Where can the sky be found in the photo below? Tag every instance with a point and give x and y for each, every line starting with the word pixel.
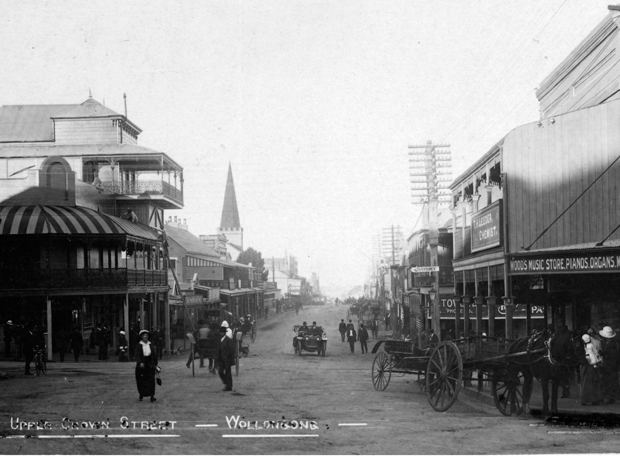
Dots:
pixel 313 103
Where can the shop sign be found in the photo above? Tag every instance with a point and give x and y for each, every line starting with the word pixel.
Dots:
pixel 447 310
pixel 272 286
pixel 583 262
pixel 486 228
pixel 424 269
pixel 193 300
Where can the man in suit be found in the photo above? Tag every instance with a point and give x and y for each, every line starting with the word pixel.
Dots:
pixel 363 338
pixel 375 328
pixel 351 337
pixel 433 340
pixel 226 356
pixel 342 328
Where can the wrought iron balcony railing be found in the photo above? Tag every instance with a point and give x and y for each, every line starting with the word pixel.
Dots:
pixel 155 187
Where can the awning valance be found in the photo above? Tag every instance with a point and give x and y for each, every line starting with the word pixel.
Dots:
pixel 66 220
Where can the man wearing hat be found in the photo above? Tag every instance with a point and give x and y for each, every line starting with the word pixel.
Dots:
pixel 122 348
pixel 226 356
pixel 342 328
pixel 610 350
pixel 351 336
pixel 8 336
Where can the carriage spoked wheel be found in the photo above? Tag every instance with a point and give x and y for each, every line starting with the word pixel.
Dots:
pixel 507 390
pixel 444 376
pixel 422 381
pixel 381 371
pixel 237 360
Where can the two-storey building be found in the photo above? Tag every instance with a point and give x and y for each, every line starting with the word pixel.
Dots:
pixel 71 254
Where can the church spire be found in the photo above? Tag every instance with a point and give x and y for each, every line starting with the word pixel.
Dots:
pixel 230 212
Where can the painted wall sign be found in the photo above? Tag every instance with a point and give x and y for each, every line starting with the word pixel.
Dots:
pixel 486 228
pixel 447 310
pixel 424 269
pixel 569 263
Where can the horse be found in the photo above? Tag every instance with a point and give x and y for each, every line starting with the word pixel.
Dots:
pixel 547 357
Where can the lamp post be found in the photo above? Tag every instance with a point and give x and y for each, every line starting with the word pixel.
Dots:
pixel 432 293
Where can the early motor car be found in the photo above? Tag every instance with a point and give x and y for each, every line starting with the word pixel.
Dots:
pixel 310 339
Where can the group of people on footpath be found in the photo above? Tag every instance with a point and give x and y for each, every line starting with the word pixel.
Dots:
pixel 600 366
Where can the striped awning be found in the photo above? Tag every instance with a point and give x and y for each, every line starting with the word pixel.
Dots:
pixel 66 220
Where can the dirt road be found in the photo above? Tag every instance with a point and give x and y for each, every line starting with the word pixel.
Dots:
pixel 281 404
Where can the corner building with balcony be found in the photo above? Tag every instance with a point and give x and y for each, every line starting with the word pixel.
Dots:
pixel 67 257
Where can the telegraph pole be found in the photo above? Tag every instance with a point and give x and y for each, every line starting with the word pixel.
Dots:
pixel 430 176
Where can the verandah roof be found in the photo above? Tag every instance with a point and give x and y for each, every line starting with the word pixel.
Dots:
pixel 67 220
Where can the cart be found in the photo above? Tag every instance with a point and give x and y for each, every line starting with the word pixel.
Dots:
pixel 210 348
pixel 441 370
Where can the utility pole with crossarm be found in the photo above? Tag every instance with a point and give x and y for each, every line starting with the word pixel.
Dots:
pixel 430 166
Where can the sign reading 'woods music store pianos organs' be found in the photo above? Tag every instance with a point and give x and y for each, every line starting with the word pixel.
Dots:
pixel 582 262
pixel 486 228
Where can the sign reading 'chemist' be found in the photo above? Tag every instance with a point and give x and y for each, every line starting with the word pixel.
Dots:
pixel 486 228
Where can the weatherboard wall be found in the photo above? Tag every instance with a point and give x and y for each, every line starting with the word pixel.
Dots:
pixel 549 166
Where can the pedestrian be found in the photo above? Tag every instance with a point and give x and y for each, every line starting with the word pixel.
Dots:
pixel 194 349
pixel 433 340
pixel 122 348
pixel 28 342
pixel 99 341
pixel 610 352
pixel 134 338
pixel 203 342
pixel 363 338
pixel 591 392
pixel 146 366
pixel 226 356
pixel 342 328
pixel 18 333
pixel 160 343
pixel 77 342
pixel 8 337
pixel 387 322
pixel 375 328
pixel 351 337
pixel 62 342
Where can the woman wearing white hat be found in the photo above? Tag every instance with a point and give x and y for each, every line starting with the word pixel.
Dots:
pixel 590 372
pixel 609 369
pixel 146 366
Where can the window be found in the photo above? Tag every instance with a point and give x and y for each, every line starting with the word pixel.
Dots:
pixel 57 176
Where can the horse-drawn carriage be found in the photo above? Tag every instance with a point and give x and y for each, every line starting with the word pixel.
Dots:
pixel 508 365
pixel 310 339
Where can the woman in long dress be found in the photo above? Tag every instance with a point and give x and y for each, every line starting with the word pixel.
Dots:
pixel 146 366
pixel 591 388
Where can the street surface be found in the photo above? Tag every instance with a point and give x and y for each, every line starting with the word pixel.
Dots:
pixel 315 396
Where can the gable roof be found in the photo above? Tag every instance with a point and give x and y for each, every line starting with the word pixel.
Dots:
pixel 35 123
pixel 191 243
pixel 230 212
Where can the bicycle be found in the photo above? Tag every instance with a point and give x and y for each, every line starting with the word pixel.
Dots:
pixel 40 366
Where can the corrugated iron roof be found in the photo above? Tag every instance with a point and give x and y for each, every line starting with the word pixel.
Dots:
pixel 191 243
pixel 29 123
pixel 88 109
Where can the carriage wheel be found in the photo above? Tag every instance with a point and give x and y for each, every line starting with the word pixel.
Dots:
pixel 507 390
pixel 381 371
pixel 422 381
pixel 444 376
pixel 237 360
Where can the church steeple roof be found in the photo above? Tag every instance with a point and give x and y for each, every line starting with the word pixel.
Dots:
pixel 230 212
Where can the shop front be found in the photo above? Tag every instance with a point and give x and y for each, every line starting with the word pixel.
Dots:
pixel 575 286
